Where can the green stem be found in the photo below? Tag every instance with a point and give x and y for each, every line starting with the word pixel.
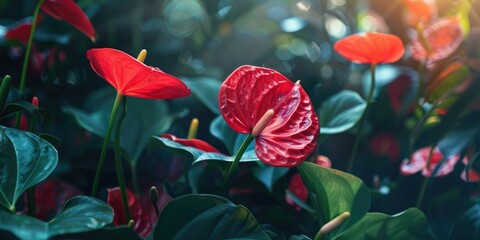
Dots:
pixel 418 128
pixel 106 141
pixel 363 118
pixel 31 201
pixel 423 188
pixel 420 87
pixel 118 161
pixel 23 76
pixel 235 162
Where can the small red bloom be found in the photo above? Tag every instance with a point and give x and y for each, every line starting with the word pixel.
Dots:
pixel 50 197
pixel 443 38
pixel 297 187
pixel 21 31
pixel 196 143
pixel 133 78
pixel 421 9
pixel 370 48
pixel 143 225
pixel 70 12
pixel 473 176
pixel 385 144
pixel 291 133
pixel 419 160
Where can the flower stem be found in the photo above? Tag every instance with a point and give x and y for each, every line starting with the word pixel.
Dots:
pixel 118 161
pixel 235 162
pixel 23 75
pixel 106 141
pixel 363 118
pixel 423 188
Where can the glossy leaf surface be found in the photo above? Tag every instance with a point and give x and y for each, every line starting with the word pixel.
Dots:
pixel 410 224
pixel 333 192
pixel 25 160
pixel 131 77
pixel 341 112
pixel 206 90
pixel 370 48
pixel 207 217
pixel 80 214
pixel 290 136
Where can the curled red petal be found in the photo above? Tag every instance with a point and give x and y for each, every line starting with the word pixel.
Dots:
pixel 70 12
pixel 443 37
pixel 143 225
pixel 133 78
pixel 290 136
pixel 19 33
pixel 370 48
pixel 196 143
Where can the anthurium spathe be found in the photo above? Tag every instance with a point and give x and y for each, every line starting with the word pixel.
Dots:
pixel 133 78
pixel 419 162
pixel 70 12
pixel 142 224
pixel 370 48
pixel 196 143
pixel 277 112
pixel 440 39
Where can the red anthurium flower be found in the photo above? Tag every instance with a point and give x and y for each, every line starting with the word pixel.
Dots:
pixel 21 31
pixel 297 187
pixel 289 133
pixel 385 144
pixel 196 143
pixel 143 225
pixel 443 38
pixel 370 48
pixel 421 9
pixel 50 197
pixel 133 78
pixel 70 12
pixel 398 91
pixel 473 176
pixel 419 160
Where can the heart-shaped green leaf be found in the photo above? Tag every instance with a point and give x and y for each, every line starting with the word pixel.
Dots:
pixel 468 226
pixel 145 118
pixel 206 217
pixel 410 224
pixel 341 112
pixel 117 233
pixel 25 160
pixel 269 175
pixel 220 129
pixel 80 214
pixel 206 90
pixel 332 192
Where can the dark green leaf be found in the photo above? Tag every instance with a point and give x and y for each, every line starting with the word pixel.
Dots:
pixel 220 129
pixel 25 160
pixel 459 137
pixel 119 233
pixel 334 192
pixel 269 175
pixel 56 142
pixel 299 237
pixel 24 106
pixel 175 188
pixel 206 90
pixel 80 214
pixel 145 118
pixel 468 226
pixel 410 224
pixel 341 112
pixel 206 217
